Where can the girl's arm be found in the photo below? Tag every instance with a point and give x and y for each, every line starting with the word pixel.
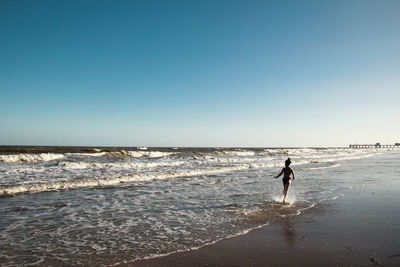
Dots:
pixel 279 174
pixel 293 174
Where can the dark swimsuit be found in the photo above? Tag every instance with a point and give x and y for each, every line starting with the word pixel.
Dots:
pixel 285 180
pixel 287 171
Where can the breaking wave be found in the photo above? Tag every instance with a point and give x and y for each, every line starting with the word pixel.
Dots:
pixel 7 191
pixel 28 158
pixel 113 168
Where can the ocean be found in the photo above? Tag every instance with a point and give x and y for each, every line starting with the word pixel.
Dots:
pixel 104 206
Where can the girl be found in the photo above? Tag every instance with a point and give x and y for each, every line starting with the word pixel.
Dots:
pixel 287 171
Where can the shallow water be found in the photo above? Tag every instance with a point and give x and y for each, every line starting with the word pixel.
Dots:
pixel 103 208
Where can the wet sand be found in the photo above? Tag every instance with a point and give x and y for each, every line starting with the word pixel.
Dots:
pixel 360 229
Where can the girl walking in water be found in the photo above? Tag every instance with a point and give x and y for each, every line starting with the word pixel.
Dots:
pixel 287 171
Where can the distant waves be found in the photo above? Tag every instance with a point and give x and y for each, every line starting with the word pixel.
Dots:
pixel 34 173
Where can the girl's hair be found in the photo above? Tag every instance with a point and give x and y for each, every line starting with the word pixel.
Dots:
pixel 288 161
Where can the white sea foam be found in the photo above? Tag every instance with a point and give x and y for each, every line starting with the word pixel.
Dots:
pixel 122 153
pixel 17 158
pixel 84 170
pixel 149 154
pixel 236 153
pixel 97 154
pixel 110 181
pixel 124 165
pixel 159 255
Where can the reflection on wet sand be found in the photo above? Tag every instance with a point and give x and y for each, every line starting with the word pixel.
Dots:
pixel 288 227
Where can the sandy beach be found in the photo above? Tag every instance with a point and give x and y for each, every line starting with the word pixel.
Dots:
pixel 361 228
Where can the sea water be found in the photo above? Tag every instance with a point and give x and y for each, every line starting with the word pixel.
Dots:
pixel 106 207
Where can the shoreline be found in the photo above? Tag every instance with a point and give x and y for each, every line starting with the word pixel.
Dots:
pixel 336 233
pixel 342 216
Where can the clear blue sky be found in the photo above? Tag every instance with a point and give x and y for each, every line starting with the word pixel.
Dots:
pixel 199 73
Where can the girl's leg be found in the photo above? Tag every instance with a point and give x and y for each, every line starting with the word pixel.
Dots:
pixel 285 189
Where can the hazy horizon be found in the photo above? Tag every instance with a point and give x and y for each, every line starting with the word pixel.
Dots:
pixel 144 148
pixel 199 73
